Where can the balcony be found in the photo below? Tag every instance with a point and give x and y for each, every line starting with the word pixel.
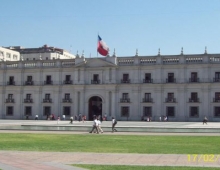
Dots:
pixel 216 100
pixel 193 80
pixel 29 83
pixel 171 80
pixel 11 83
pixel 47 100
pixel 147 80
pixel 67 100
pixel 28 100
pixel 147 100
pixel 95 81
pixel 125 81
pixel 170 100
pixel 48 82
pixel 67 82
pixel 216 79
pixel 193 100
pixel 125 100
pixel 9 101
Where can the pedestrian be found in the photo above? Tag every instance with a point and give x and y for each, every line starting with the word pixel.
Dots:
pixel 64 116
pixel 99 126
pixel 75 117
pixel 71 120
pixel 95 124
pixel 36 117
pixel 114 122
pixel 205 120
pixel 160 118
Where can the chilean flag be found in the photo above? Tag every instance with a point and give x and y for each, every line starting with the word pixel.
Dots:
pixel 102 47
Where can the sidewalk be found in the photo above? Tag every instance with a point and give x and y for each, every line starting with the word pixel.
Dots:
pixel 19 160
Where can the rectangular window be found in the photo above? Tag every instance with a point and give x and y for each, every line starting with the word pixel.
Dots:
pixel 68 77
pixel 47 110
pixel 28 110
pixel 147 111
pixel 194 111
pixel 15 57
pixel 67 96
pixel 170 111
pixel 11 79
pixel 1 54
pixel 125 77
pixel 125 111
pixel 95 77
pixel 217 96
pixel 67 110
pixel 29 78
pixel 170 95
pixel 194 96
pixel 10 96
pixel 217 111
pixel 147 96
pixel 217 75
pixel 28 96
pixel 48 78
pixel 8 55
pixel 194 77
pixel 47 96
pixel 124 95
pixel 170 77
pixel 147 76
pixel 9 110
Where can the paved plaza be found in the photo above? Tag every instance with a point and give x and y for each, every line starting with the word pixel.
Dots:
pixel 20 160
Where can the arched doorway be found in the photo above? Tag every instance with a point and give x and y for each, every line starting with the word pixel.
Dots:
pixel 95 107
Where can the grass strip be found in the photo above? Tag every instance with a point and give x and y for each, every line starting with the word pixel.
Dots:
pixel 110 143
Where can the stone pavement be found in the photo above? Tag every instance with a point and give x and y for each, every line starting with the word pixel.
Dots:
pixel 19 160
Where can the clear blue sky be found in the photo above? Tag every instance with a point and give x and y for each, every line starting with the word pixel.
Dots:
pixel 125 25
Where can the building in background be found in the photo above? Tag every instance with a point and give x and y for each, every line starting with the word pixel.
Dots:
pixel 181 87
pixel 9 55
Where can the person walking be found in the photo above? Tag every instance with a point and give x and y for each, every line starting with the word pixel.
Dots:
pixel 64 116
pixel 99 126
pixel 36 117
pixel 95 124
pixel 114 122
pixel 71 120
pixel 205 120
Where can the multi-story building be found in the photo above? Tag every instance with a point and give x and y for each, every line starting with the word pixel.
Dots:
pixel 8 55
pixel 182 87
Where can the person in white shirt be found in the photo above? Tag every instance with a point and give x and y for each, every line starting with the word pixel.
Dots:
pixel 99 126
pixel 64 117
pixel 95 125
pixel 36 117
pixel 114 122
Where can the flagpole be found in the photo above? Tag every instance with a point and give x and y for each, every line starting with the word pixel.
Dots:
pixel 97 44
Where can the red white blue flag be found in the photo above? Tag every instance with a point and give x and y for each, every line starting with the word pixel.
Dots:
pixel 102 47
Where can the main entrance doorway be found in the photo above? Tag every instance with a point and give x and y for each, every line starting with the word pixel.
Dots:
pixel 95 107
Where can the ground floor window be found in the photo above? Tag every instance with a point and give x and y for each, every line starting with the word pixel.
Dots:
pixel 67 110
pixel 47 111
pixel 217 111
pixel 170 111
pixel 194 111
pixel 9 110
pixel 147 111
pixel 125 111
pixel 28 110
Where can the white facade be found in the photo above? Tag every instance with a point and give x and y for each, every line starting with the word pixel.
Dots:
pixel 9 55
pixel 182 87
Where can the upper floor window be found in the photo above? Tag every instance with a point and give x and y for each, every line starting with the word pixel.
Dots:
pixel 95 77
pixel 147 78
pixel 194 77
pixel 217 77
pixel 28 96
pixel 125 95
pixel 1 54
pixel 67 96
pixel 47 96
pixel 170 78
pixel 8 55
pixel 10 96
pixel 68 77
pixel 29 78
pixel 125 78
pixel 15 57
pixel 194 97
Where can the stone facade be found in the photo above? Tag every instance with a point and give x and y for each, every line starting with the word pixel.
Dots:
pixel 182 87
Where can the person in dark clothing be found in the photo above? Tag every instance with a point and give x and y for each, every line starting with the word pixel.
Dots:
pixel 205 120
pixel 114 122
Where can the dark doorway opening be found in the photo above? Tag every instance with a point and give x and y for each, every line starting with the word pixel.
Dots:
pixel 95 107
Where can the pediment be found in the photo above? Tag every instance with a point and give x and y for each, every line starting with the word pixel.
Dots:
pixel 95 62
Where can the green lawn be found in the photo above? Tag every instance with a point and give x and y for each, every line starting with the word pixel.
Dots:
pixel 111 143
pixel 127 167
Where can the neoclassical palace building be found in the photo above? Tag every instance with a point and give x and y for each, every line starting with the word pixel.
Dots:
pixel 47 80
